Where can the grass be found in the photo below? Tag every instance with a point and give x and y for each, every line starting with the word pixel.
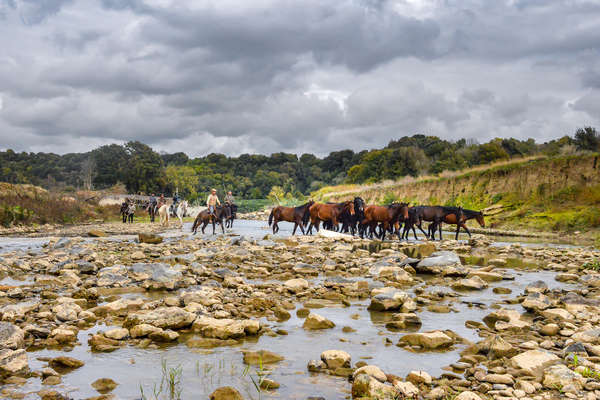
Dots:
pixel 170 385
pixel 592 265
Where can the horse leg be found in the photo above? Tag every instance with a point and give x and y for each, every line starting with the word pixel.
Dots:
pixel 222 227
pixel 294 230
pixel 466 229
pixel 440 229
pixel 274 226
pixel 457 230
pixel 204 224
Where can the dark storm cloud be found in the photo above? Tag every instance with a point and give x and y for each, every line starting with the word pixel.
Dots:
pixel 311 76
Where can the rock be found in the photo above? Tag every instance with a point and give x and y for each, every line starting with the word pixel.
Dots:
pixel 149 238
pixel 137 255
pixel 104 385
pixel 533 362
pixel 269 384
pixel 474 283
pixel 63 336
pixel 143 330
pixel 559 314
pixel 438 392
pixel 495 347
pixel 336 359
pixel 427 340
pixel 486 276
pixel 66 311
pixel 13 362
pixel 162 317
pixel 371 370
pixel 536 302
pixel 225 328
pixel 96 233
pixel 561 376
pixel 117 333
pixel 296 285
pixel 52 380
pixel 419 377
pixel 537 287
pixel 113 276
pixel 157 276
pixel 407 389
pixel 499 378
pixel 387 299
pixel 209 343
pixel 164 336
pixel 550 330
pixel 467 395
pixel 437 262
pixel 226 393
pixel 404 321
pixel 261 356
pixel 11 336
pixel 365 386
pixel 315 321
pixel 65 362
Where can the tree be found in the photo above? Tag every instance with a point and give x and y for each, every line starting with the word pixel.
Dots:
pixel 144 169
pixel 490 152
pixel 183 179
pixel 587 139
pixel 88 170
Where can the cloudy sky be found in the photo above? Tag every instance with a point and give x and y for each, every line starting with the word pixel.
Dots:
pixel 263 76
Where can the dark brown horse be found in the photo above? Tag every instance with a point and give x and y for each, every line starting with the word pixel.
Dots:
pixel 298 215
pixel 204 217
pixel 328 212
pixel 459 217
pixel 385 215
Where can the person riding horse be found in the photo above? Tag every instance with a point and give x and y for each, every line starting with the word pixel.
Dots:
pixel 212 201
pixel 152 207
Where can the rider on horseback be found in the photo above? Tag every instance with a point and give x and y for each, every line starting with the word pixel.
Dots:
pixel 229 198
pixel 152 207
pixel 212 201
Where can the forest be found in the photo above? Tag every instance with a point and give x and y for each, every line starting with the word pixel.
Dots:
pixel 140 169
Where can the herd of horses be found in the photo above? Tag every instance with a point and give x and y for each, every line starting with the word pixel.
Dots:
pixel 359 218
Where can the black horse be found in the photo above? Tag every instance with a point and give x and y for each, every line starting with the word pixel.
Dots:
pixel 124 211
pixel 412 221
pixel 204 218
pixel 459 216
pixel 229 221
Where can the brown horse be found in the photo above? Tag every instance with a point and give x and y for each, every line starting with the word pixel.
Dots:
pixel 298 215
pixel 386 215
pixel 328 212
pixel 204 217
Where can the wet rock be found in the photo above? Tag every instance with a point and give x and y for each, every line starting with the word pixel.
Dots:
pixel 315 321
pixel 48 394
pixel 209 343
pixel 506 319
pixel 427 340
pixel 96 233
pixel 164 336
pixel 113 276
pixel 495 347
pixel 117 333
pixel 404 321
pixel 365 386
pixel 561 376
pixel 11 336
pixel 226 393
pixel 149 238
pixel 143 330
pixel 281 314
pixel 486 276
pixel 419 377
pixel 504 379
pixel 11 312
pixel 63 336
pixel 533 362
pixel 269 384
pixel 536 301
pixel 305 269
pixel 537 287
pixel 156 276
pixel 67 311
pixel 336 359
pixel 473 283
pixel 101 343
pixel 104 385
pixel 387 299
pixel 163 317
pixel 296 285
pixel 371 370
pixel 52 380
pixel 65 362
pixel 13 362
pixel 225 328
pixel 261 356
pixel 550 329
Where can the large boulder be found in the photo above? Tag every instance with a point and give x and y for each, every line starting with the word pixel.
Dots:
pixel 11 336
pixel 13 362
pixel 437 262
pixel 67 311
pixel 315 321
pixel 373 371
pixel 113 276
pixel 149 238
pixel 473 283
pixel 427 340
pixel 163 317
pixel 336 359
pixel 296 285
pixel 560 376
pixel 536 302
pixel 261 357
pixel 157 276
pixel 533 362
pixel 387 299
pixel 225 328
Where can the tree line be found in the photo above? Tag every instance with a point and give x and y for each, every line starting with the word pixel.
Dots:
pixel 253 176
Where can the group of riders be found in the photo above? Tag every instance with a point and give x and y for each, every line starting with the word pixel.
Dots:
pixel 152 205
pixel 357 217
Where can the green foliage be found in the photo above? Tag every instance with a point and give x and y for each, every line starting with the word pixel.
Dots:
pixel 184 179
pixel 170 385
pixel 593 265
pixel 587 139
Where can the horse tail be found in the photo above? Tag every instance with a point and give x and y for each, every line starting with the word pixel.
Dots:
pixel 306 216
pixel 271 217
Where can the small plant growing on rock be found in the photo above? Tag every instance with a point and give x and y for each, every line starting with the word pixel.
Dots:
pixel 592 265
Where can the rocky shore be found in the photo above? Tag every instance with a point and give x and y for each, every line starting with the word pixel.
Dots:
pixel 535 341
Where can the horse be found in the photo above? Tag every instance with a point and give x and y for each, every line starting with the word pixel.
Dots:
pixel 152 210
pixel 298 215
pixel 413 219
pixel 459 218
pixel 348 221
pixel 204 217
pixel 123 211
pixel 437 215
pixel 325 212
pixel 388 215
pixel 163 214
pixel 181 211
pixel 229 221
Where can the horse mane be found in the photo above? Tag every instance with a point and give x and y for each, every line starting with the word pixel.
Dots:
pixel 303 206
pixel 466 212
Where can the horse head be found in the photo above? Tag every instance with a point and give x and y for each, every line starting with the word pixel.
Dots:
pixel 349 205
pixel 404 210
pixel 480 220
pixel 359 205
